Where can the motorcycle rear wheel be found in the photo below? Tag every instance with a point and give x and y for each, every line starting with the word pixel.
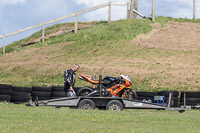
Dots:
pixel 84 91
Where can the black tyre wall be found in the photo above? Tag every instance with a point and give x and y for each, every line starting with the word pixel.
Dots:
pixel 166 93
pixel 21 94
pixel 58 94
pixel 146 94
pixel 22 89
pixel 5 92
pixel 45 89
pixel 191 94
pixel 5 98
pixel 5 87
pixel 191 100
pixel 57 88
pixel 20 99
pixel 41 94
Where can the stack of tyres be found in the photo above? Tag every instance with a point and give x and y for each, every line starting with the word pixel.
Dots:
pixel 5 92
pixel 42 93
pixel 174 101
pixel 192 98
pixel 146 96
pixel 21 94
pixel 58 92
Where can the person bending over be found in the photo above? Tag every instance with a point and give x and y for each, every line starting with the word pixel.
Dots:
pixel 69 80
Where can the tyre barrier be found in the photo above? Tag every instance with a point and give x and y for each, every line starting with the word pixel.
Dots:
pixel 5 92
pixel 41 93
pixel 16 94
pixel 20 94
pixel 166 93
pixel 59 92
pixel 41 89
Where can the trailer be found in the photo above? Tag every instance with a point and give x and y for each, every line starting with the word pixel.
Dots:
pixel 108 103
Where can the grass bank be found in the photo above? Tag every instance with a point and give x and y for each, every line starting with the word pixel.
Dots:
pixel 103 45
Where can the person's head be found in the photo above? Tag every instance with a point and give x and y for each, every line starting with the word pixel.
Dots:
pixel 75 67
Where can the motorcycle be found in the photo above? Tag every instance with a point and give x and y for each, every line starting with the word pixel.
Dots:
pixel 108 87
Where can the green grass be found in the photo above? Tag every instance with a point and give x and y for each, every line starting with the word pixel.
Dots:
pixel 16 46
pixel 96 35
pixel 115 31
pixel 103 31
pixel 164 20
pixel 23 119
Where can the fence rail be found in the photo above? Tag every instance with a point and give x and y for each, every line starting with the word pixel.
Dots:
pixel 109 4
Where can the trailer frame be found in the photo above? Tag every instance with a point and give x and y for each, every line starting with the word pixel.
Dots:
pixel 102 102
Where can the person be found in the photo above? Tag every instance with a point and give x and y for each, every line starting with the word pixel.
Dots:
pixel 69 80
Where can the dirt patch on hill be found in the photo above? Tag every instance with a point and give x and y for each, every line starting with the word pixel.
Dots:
pixel 174 36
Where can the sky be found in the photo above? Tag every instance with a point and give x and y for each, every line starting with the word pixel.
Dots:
pixel 19 14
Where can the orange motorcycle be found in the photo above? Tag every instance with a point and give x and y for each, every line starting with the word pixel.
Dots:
pixel 108 87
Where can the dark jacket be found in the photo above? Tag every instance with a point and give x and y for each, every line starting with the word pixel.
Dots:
pixel 69 79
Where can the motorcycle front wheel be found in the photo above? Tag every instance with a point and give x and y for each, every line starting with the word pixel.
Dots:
pixel 130 94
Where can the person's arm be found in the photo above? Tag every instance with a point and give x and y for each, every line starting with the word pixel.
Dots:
pixel 71 88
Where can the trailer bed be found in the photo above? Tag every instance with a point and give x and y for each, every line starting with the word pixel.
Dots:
pixel 104 101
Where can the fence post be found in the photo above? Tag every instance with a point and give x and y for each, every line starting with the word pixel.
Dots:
pixel 76 23
pixel 136 8
pixel 153 10
pixel 131 9
pixel 109 12
pixel 4 44
pixel 128 12
pixel 43 32
pixel 194 9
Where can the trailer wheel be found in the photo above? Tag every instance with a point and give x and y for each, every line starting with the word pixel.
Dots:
pixel 114 105
pixel 86 104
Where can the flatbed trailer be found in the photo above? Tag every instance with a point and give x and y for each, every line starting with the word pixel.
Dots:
pixel 108 103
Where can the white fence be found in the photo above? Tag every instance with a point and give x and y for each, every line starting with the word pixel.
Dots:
pixel 109 4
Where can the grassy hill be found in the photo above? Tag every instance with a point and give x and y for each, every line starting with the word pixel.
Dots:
pixel 102 45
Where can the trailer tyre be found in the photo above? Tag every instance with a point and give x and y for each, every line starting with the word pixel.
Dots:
pixel 114 105
pixel 86 104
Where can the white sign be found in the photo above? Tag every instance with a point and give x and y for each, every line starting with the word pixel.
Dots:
pixel 137 104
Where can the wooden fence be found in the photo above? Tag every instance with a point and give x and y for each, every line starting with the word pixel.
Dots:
pixel 109 5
